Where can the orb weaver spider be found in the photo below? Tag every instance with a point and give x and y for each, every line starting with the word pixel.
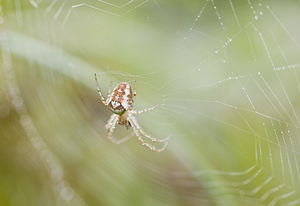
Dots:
pixel 120 102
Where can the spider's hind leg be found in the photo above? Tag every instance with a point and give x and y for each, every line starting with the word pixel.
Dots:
pixel 99 91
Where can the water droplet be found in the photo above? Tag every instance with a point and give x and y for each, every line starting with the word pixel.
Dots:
pixel 224 61
pixel 258 73
pixel 256 17
pixel 261 13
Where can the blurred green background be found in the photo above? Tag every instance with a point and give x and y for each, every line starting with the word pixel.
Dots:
pixel 226 77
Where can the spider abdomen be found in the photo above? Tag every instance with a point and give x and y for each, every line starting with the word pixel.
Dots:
pixel 120 99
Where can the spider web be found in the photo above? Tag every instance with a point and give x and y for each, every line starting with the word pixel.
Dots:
pixel 226 76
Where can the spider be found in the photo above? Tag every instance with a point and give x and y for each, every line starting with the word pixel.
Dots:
pixel 120 102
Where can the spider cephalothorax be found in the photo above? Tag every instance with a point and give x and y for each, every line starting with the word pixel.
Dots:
pixel 120 102
pixel 123 120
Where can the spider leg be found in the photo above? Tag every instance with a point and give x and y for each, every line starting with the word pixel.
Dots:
pixel 110 121
pixel 139 128
pixel 124 139
pixel 136 131
pixel 99 91
pixel 134 94
pixel 111 124
pixel 144 110
pixel 109 90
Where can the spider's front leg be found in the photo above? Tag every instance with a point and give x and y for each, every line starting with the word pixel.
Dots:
pixel 135 124
pixel 138 131
pixel 111 120
pixel 146 143
pixel 124 139
pixel 111 124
